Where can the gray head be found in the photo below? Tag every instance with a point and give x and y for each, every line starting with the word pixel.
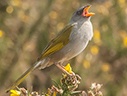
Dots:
pixel 81 14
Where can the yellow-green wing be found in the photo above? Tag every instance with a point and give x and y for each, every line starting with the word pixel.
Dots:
pixel 58 42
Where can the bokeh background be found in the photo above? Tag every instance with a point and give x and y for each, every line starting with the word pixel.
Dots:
pixel 26 26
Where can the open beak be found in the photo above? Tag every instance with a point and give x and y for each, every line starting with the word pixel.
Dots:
pixel 86 13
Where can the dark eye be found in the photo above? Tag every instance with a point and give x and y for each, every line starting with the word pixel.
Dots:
pixel 79 13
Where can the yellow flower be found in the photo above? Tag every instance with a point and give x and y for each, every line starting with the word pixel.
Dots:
pixel 68 68
pixel 123 33
pixel 9 9
pixel 96 34
pixel 53 15
pixel 125 42
pixel 54 94
pixel 47 95
pixel 105 67
pixel 1 33
pixel 16 3
pixel 86 64
pixel 15 93
pixel 121 1
pixel 96 37
pixel 94 50
pixel 60 26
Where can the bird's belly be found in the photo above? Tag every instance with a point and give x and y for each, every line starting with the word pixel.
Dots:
pixel 73 49
pixel 69 51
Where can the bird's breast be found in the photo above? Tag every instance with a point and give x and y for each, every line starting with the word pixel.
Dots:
pixel 79 38
pixel 78 41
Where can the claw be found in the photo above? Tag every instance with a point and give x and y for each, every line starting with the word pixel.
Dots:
pixel 79 78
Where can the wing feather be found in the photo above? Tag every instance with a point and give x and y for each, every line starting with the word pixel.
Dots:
pixel 58 42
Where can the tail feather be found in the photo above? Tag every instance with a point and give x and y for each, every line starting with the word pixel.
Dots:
pixel 23 76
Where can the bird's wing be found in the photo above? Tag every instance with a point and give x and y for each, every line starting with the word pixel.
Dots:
pixel 58 42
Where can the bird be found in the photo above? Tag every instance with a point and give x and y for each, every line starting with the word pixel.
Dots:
pixel 68 43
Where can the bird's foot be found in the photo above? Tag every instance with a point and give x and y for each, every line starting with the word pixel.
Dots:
pixel 72 77
pixel 75 79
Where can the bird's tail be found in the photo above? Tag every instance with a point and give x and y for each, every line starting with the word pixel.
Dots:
pixel 23 76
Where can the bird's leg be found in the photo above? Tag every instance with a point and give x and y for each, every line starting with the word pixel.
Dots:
pixel 63 69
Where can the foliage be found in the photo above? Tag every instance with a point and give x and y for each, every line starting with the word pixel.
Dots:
pixel 66 88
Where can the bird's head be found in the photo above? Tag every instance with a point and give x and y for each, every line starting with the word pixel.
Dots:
pixel 81 14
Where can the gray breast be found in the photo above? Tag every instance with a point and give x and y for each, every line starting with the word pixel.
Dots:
pixel 79 38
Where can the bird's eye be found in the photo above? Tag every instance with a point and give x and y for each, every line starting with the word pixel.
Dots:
pixel 78 13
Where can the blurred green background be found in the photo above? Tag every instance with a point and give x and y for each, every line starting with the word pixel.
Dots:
pixel 26 26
